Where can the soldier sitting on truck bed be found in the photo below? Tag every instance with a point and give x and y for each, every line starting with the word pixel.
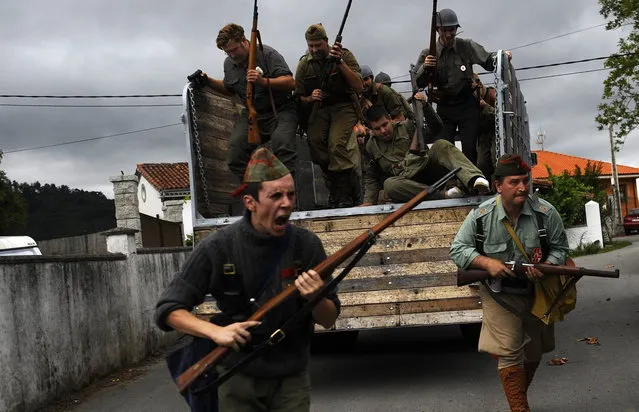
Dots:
pixel 381 94
pixel 394 162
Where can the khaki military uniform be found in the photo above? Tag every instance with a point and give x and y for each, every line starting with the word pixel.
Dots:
pixel 513 338
pixel 332 143
pixel 393 102
pixel 403 174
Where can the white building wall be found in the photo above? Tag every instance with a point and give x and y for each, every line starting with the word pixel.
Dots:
pixel 187 219
pixel 151 204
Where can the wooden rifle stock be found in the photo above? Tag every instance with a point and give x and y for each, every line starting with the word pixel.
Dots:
pixel 330 66
pixel 253 128
pixel 324 269
pixel 466 277
pixel 432 50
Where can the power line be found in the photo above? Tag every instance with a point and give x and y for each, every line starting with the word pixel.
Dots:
pixel 88 105
pixel 556 37
pixel 92 138
pixel 122 96
pixel 540 77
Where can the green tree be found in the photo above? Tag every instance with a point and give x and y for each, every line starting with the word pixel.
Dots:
pixel 13 208
pixel 620 98
pixel 570 192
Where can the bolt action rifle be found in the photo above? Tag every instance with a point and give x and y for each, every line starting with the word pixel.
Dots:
pixel 253 128
pixel 330 67
pixel 431 72
pixel 324 269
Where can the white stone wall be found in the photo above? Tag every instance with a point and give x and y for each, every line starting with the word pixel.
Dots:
pixel 589 233
pixel 67 321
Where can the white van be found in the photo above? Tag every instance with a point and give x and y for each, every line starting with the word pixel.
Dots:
pixel 18 246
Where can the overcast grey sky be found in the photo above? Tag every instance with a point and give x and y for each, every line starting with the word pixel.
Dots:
pixel 72 47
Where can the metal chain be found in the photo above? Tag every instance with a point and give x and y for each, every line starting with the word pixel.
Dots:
pixel 499 110
pixel 198 148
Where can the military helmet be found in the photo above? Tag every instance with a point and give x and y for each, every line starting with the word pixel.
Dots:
pixel 447 18
pixel 365 71
pixel 383 78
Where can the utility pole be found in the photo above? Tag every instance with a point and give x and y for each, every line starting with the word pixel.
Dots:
pixel 616 207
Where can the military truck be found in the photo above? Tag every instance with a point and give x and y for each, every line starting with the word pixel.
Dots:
pixel 406 278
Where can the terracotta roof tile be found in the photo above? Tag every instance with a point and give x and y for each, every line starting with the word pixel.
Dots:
pixel 165 176
pixel 559 162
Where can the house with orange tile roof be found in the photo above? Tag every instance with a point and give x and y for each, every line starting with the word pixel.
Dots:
pixel 559 162
pixel 160 186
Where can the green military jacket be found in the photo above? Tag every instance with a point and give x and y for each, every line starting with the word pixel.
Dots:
pixel 455 65
pixel 393 102
pixel 310 72
pixel 386 159
pixel 498 242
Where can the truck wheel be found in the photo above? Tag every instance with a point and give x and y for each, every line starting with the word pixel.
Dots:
pixel 470 332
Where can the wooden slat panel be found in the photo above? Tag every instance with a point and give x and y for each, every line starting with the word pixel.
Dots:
pixel 402 256
pixel 405 295
pixel 398 282
pixel 443 241
pixel 342 237
pixel 411 307
pixel 417 217
pixel 416 319
pixel 415 269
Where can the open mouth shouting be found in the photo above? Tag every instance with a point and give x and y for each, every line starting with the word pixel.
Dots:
pixel 281 222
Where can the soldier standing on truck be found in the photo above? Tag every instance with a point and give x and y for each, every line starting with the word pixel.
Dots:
pixel 394 162
pixel 277 114
pixel 332 143
pixel 456 104
pixel 242 266
pixel 512 226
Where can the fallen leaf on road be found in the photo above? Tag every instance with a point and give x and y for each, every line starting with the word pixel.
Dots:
pixel 557 361
pixel 589 341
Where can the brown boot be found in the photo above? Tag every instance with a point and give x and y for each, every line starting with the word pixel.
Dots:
pixel 530 368
pixel 513 378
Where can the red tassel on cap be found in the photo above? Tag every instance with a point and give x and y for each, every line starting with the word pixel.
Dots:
pixel 238 192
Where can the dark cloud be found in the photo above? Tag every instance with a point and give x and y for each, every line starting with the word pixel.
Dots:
pixel 122 47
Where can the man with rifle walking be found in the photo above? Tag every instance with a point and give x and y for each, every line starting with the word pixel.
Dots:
pixel 513 226
pixel 451 62
pixel 272 98
pixel 327 84
pixel 242 266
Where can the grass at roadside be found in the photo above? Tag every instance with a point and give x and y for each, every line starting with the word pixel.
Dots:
pixel 593 248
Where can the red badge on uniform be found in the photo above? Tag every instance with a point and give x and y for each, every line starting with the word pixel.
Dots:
pixel 288 273
pixel 536 255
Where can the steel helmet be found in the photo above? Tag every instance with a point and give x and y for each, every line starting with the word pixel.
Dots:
pixel 365 71
pixel 383 78
pixel 447 18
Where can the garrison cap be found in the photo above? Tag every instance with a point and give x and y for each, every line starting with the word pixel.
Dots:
pixel 511 165
pixel 262 167
pixel 316 32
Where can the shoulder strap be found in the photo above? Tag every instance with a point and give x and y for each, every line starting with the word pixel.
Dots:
pixel 543 235
pixel 480 237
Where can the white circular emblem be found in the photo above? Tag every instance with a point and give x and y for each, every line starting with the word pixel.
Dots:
pixel 463 68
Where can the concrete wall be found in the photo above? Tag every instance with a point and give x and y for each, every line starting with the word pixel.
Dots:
pixel 65 322
pixel 89 244
pixel 589 233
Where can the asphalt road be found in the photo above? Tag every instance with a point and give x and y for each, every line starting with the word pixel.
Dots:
pixel 435 369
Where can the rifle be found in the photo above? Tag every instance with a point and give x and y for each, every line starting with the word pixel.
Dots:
pixel 418 109
pixel 466 277
pixel 431 72
pixel 324 269
pixel 253 128
pixel 330 67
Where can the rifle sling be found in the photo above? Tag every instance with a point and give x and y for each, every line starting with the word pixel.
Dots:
pixel 268 82
pixel 280 334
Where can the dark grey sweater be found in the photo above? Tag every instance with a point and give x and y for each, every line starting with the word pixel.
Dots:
pixel 258 260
